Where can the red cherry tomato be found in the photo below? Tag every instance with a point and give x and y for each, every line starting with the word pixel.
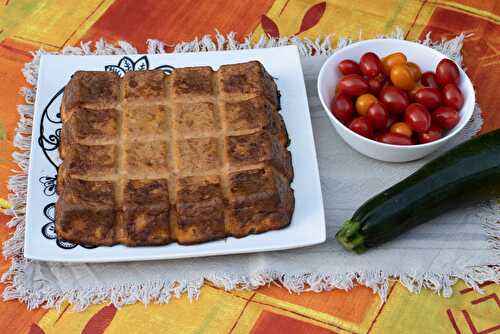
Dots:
pixel 385 83
pixel 447 72
pixel 348 66
pixel 362 126
pixel 376 84
pixel 395 99
pixel 430 97
pixel 434 133
pixel 378 115
pixel 453 97
pixel 342 108
pixel 394 139
pixel 353 85
pixel 445 117
pixel 391 120
pixel 370 64
pixel 417 117
pixel 429 80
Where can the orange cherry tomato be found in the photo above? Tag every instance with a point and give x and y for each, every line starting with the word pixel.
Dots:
pixel 401 128
pixel 416 73
pixel 393 59
pixel 401 77
pixel 364 102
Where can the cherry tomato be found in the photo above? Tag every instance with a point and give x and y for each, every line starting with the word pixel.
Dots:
pixel 417 117
pixel 394 139
pixel 445 117
pixel 415 71
pixel 393 59
pixel 375 86
pixel 377 136
pixel 385 83
pixel 453 97
pixel 391 120
pixel 363 102
pixel 401 77
pixel 447 72
pixel 429 97
pixel 395 99
pixel 353 85
pixel 412 93
pixel 434 133
pixel 401 128
pixel 370 64
pixel 342 108
pixel 362 126
pixel 429 80
pixel 348 66
pixel 378 115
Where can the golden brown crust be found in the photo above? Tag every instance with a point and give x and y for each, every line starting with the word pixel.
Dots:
pixel 96 90
pixel 240 81
pixel 149 159
pixel 144 86
pixel 143 192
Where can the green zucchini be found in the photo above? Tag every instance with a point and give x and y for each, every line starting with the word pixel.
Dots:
pixel 468 172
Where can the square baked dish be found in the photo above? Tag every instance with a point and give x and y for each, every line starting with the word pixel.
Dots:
pixel 151 159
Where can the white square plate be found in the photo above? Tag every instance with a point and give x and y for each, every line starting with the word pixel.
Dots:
pixel 308 222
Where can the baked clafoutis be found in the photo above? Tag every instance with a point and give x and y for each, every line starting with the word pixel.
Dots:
pixel 151 159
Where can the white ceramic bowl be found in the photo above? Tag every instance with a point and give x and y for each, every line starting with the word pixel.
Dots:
pixel 427 59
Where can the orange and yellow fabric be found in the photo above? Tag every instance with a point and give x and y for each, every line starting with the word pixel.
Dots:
pixel 53 24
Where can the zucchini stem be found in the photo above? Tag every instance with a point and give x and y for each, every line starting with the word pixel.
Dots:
pixel 350 237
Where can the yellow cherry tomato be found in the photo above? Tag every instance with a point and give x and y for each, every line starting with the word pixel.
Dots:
pixel 415 71
pixel 393 59
pixel 363 102
pixel 401 77
pixel 401 128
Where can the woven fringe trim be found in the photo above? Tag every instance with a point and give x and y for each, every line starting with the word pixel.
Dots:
pixel 161 291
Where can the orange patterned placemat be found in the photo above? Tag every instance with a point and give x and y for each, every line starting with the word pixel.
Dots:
pixel 52 24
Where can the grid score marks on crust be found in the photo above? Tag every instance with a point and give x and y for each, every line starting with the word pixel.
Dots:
pixel 179 143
